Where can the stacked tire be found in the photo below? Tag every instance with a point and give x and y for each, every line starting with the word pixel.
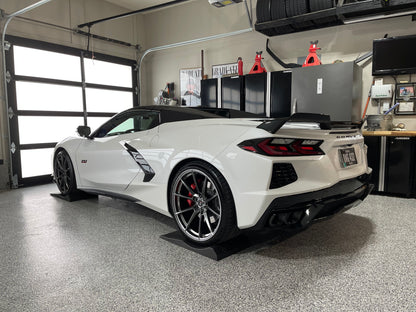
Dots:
pixel 319 5
pixel 271 10
pixel 263 12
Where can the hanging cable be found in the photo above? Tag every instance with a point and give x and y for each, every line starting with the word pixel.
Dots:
pixel 281 63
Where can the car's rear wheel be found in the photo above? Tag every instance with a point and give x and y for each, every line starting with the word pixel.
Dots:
pixel 64 173
pixel 202 204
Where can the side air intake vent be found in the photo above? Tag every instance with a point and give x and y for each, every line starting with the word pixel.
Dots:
pixel 283 174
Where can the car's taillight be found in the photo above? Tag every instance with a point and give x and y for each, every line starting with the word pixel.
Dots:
pixel 283 147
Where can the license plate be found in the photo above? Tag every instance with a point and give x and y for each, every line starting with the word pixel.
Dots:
pixel 347 157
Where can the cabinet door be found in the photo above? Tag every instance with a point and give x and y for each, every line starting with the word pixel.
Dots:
pixel 209 90
pixel 373 158
pixel 255 94
pixel 399 165
pixel 232 92
pixel 281 89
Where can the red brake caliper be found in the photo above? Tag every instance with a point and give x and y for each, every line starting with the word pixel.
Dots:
pixel 193 186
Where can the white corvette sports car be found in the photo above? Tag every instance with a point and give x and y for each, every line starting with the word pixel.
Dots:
pixel 217 173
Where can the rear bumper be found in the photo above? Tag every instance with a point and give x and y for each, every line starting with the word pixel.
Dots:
pixel 299 211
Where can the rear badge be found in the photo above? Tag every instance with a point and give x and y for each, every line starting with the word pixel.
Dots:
pixel 84 161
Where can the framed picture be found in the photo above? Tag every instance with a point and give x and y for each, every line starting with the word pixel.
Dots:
pixel 190 84
pixel 407 91
pixel 224 70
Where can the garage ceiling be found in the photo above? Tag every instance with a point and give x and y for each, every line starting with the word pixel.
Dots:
pixel 137 4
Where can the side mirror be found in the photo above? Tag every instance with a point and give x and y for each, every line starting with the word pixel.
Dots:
pixel 84 131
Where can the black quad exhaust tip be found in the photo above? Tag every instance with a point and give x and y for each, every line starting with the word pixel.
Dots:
pixel 286 218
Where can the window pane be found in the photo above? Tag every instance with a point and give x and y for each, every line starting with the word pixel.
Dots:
pixel 129 123
pixel 108 101
pixel 95 122
pixel 34 129
pixel 36 162
pixel 45 64
pixel 48 97
pixel 106 73
pixel 124 127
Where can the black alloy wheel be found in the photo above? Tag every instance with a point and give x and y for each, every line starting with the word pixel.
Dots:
pixel 64 173
pixel 202 205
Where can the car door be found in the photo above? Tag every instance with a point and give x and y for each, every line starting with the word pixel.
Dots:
pixel 106 161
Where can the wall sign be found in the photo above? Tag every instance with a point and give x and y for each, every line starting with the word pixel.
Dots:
pixel 224 69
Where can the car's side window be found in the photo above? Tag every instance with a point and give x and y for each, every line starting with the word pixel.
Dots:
pixel 129 123
pixel 126 126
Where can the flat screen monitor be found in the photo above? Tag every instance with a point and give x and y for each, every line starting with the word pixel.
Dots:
pixel 394 56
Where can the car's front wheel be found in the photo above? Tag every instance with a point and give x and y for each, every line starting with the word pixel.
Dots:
pixel 64 173
pixel 202 204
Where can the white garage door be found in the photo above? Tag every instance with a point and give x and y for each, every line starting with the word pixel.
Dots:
pixel 54 89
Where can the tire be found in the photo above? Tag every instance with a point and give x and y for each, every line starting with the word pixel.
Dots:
pixel 260 8
pixel 278 9
pixel 202 205
pixel 318 5
pixel 298 7
pixel 64 173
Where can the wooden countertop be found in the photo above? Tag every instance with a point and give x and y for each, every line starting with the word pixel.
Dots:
pixel 390 133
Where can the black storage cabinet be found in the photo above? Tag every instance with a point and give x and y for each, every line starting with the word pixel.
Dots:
pixel 281 92
pixel 209 91
pixel 400 165
pixel 331 89
pixel 373 159
pixel 392 159
pixel 232 92
pixel 255 93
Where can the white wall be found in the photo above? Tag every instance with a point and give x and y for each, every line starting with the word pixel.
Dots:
pixel 198 19
pixel 68 13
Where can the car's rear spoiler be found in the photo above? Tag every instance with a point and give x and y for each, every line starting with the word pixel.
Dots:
pixel 324 122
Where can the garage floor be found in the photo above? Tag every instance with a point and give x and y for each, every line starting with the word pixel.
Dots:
pixel 106 255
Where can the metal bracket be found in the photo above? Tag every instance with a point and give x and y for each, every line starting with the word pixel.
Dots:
pixel 11 113
pixel 136 90
pixel 7 45
pixel 8 77
pixel 13 148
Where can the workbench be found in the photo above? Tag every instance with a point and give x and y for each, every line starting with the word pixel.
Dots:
pixel 409 133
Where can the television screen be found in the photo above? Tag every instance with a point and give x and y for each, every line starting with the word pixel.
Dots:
pixel 394 56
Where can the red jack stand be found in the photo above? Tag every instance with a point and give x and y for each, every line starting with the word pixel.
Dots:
pixel 312 59
pixel 258 67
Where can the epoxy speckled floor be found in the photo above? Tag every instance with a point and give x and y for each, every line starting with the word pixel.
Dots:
pixel 106 255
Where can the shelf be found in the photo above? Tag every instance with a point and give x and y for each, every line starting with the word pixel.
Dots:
pixel 339 15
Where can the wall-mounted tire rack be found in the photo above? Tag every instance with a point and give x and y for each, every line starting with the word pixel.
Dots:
pixel 342 13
